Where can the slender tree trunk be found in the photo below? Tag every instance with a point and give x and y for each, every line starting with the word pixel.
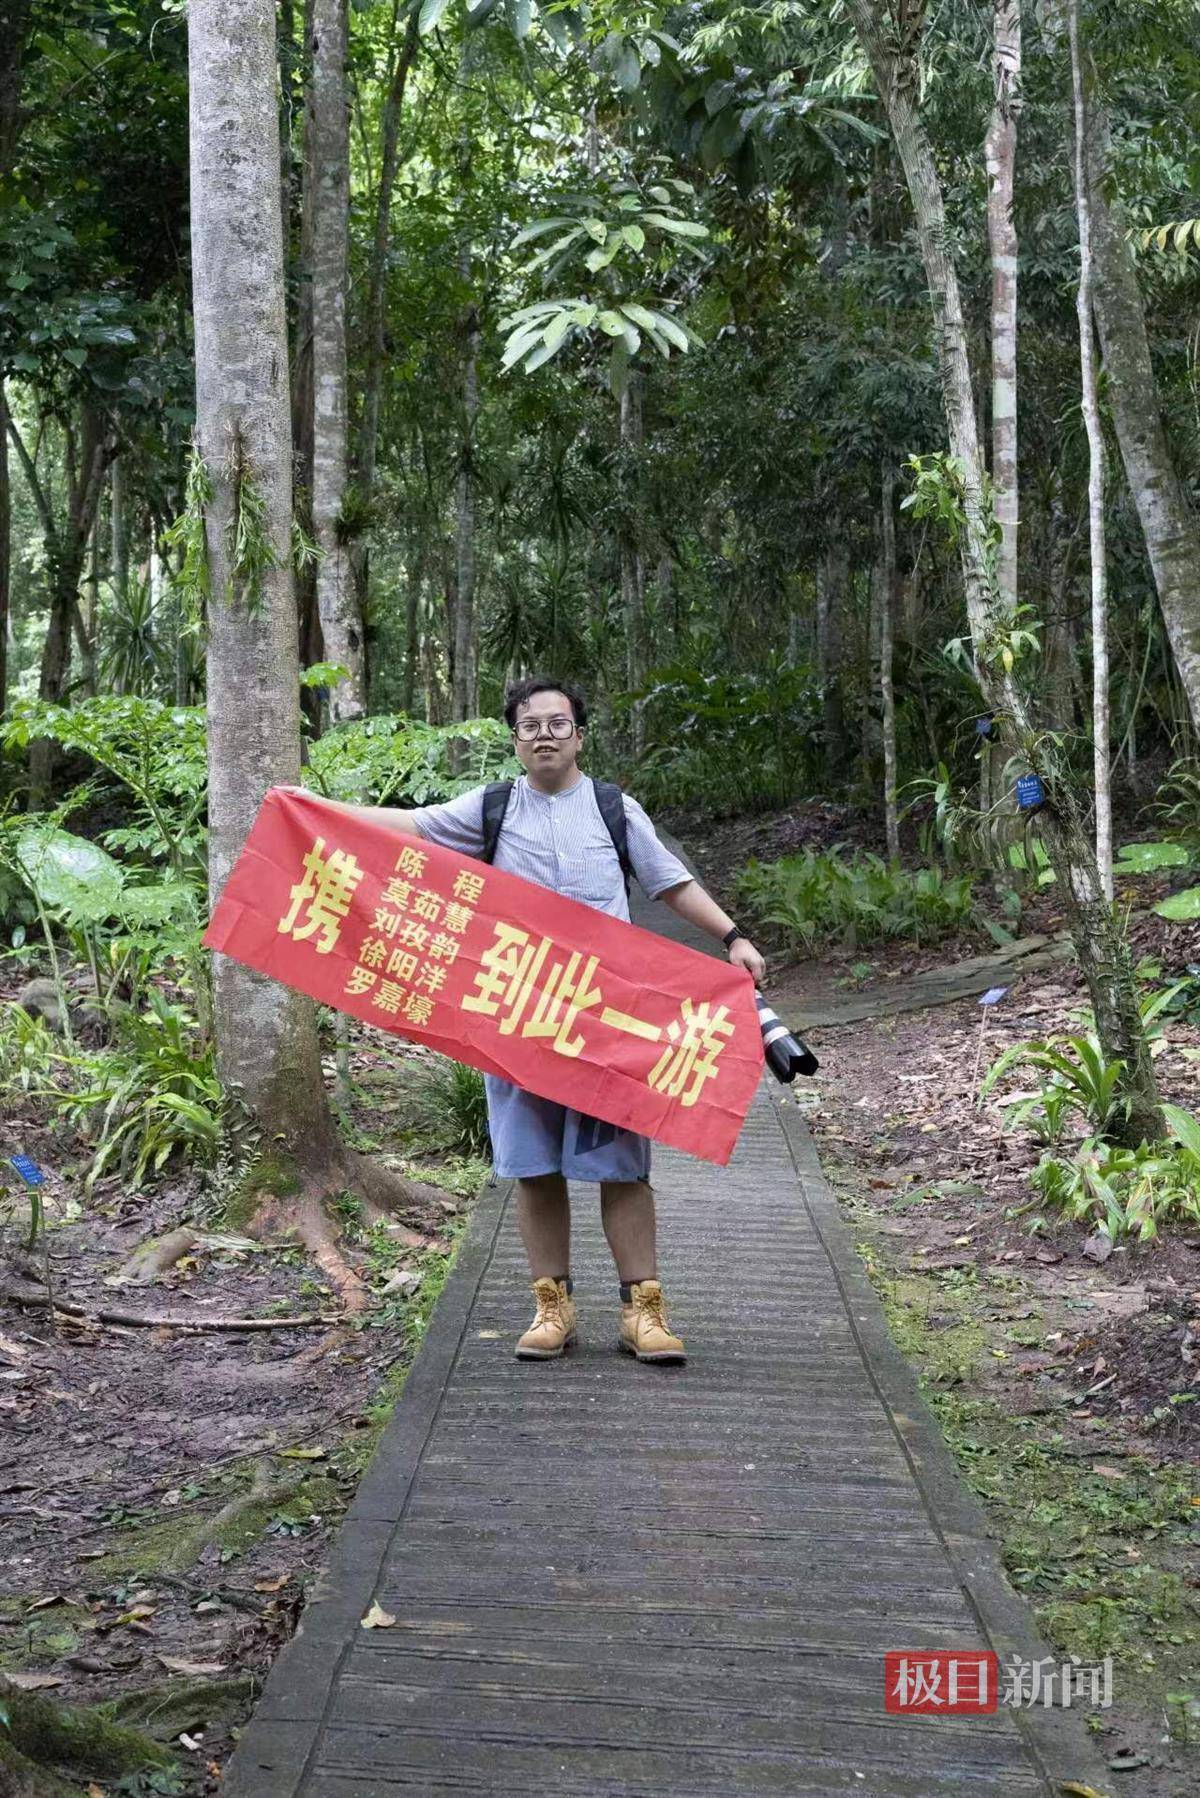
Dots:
pixel 886 577
pixel 833 588
pixel 1000 153
pixel 328 178
pixel 266 1034
pixel 414 586
pixel 5 550
pixel 367 442
pixel 119 526
pixel 1169 522
pixel 1103 950
pixel 1095 435
pixel 463 683
pixel 65 542
pixel 633 573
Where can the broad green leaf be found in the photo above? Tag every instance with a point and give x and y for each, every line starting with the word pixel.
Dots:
pixel 583 315
pixel 520 342
pixel 540 228
pixel 556 330
pixel 596 228
pixel 69 874
pixel 680 227
pixel 541 356
pixel 1147 858
pixel 1184 1127
pixel 430 15
pixel 612 324
pixel 1181 908
pixel 634 236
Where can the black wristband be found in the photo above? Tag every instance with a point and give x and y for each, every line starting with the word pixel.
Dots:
pixel 731 937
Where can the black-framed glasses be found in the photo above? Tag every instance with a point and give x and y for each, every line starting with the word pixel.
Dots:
pixel 530 729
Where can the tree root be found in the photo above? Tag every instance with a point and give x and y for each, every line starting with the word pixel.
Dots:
pixel 39 1299
pixel 190 1547
pixel 41 1733
pixel 155 1256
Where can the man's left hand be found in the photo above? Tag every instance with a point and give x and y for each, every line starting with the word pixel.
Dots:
pixel 743 954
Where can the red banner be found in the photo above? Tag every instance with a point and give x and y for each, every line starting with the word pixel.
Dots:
pixel 495 971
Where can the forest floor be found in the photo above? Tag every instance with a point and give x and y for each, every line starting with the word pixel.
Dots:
pixel 1064 1377
pixel 167 1494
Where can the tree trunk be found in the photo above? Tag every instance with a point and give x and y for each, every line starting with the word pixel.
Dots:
pixel 463 675
pixel 1169 522
pixel 1000 153
pixel 886 577
pixel 5 550
pixel 376 304
pixel 266 1035
pixel 1089 392
pixel 1100 944
pixel 328 178
pixel 65 542
pixel 633 574
pixel 118 524
pixel 833 583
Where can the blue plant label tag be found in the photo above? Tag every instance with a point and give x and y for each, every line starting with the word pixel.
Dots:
pixel 983 727
pixel 29 1170
pixel 1030 791
pixel 993 995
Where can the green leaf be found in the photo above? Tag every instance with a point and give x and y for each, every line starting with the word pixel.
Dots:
pixel 556 330
pixel 69 874
pixel 634 236
pixel 679 227
pixel 430 16
pixel 612 324
pixel 1181 908
pixel 1184 1127
pixel 1147 858
pixel 540 228
pixel 596 228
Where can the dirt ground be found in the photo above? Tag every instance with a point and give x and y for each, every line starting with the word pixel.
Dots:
pixel 168 1493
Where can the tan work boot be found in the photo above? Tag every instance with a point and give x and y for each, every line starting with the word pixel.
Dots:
pixel 553 1326
pixel 644 1331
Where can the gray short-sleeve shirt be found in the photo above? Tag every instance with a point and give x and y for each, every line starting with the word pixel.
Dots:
pixel 559 840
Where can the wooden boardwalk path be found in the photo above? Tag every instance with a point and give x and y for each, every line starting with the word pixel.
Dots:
pixel 616 1579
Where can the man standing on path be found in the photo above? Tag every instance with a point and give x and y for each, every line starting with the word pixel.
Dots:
pixel 552 830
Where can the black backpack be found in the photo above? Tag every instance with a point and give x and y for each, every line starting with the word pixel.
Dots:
pixel 497 794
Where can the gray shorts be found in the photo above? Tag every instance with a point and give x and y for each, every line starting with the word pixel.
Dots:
pixel 532 1136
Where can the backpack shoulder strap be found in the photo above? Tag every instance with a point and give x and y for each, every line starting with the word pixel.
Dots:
pixel 611 801
pixel 496 796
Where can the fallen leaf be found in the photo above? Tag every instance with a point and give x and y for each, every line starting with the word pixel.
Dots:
pixel 301 1454
pixel 271 1585
pixel 1108 1473
pixel 196 1669
pixel 41 1604
pixel 191 1743
pixel 33 1682
pixel 378 1618
pixel 1077 1790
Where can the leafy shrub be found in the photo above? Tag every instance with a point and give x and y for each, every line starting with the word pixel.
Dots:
pixel 1080 1079
pixel 389 759
pixel 818 896
pixel 1128 1192
pixel 148 1098
pixel 28 1050
pixel 730 742
pixel 450 1107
